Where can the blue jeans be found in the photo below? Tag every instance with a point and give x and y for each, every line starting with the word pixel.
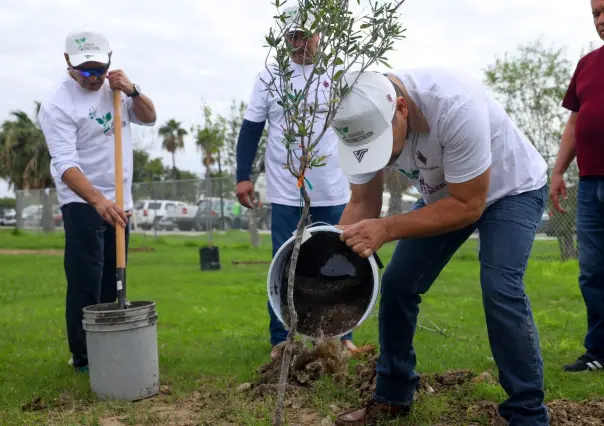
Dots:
pixel 590 235
pixel 507 230
pixel 284 221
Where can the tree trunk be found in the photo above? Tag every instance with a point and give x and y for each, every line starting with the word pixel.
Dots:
pixel 47 221
pixel 253 228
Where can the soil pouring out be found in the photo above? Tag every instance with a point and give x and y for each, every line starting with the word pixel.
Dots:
pixel 122 350
pixel 333 287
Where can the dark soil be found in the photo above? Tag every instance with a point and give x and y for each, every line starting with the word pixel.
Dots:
pixel 332 287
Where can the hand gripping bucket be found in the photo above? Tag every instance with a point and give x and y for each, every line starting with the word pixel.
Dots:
pixel 335 290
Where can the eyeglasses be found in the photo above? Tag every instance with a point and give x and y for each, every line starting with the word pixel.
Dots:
pixel 87 72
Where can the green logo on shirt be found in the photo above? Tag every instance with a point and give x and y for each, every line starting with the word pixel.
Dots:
pixel 104 121
pixel 413 175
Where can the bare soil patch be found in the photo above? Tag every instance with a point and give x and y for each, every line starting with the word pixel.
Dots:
pixel 50 252
pixel 141 249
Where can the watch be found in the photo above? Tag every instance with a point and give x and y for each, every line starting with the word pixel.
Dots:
pixel 137 91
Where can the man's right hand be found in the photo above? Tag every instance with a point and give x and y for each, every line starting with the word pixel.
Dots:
pixel 557 188
pixel 245 194
pixel 111 212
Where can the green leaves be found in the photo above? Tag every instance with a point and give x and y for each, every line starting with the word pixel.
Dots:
pixel 310 98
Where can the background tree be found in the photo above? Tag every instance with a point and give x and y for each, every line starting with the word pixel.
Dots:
pixel 25 160
pixel 346 42
pixel 173 140
pixel 531 85
pixel 146 169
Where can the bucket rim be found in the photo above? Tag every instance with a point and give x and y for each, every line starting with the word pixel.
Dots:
pixel 375 268
pixel 147 306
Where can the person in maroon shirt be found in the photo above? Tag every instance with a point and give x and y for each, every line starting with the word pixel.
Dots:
pixel 583 138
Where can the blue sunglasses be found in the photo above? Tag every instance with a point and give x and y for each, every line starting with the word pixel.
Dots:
pixel 87 72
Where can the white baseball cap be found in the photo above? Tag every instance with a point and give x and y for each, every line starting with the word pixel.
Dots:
pixel 293 19
pixel 87 45
pixel 363 123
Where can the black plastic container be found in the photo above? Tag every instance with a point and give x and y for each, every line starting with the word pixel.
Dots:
pixel 209 258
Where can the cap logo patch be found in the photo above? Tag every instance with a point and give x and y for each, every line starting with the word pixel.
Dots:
pixel 389 98
pixel 82 45
pixel 359 154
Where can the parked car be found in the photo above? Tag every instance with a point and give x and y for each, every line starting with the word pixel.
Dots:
pixel 149 213
pixel 183 217
pixel 208 215
pixel 8 217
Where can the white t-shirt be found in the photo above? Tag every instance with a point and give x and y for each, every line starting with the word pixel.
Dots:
pixel 79 130
pixel 469 131
pixel 329 184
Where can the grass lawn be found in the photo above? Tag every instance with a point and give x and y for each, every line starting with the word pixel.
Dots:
pixel 212 336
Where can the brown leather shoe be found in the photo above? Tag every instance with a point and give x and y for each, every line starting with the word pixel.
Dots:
pixel 371 414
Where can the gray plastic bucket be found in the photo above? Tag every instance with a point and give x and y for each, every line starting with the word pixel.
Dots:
pixel 275 284
pixel 122 350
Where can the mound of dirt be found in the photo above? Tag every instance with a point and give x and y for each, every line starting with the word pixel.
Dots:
pixel 562 413
pixel 587 413
pixel 363 381
pixel 308 364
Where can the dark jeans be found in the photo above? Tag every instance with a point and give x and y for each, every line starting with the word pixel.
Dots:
pixel 284 221
pixel 590 236
pixel 507 230
pixel 90 263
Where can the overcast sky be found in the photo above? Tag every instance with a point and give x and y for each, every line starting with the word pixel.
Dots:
pixel 183 51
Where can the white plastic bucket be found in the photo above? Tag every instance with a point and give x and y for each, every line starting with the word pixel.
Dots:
pixel 279 262
pixel 122 350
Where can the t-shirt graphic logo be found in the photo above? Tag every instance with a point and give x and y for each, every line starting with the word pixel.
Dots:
pixel 421 157
pixel 104 121
pixel 359 154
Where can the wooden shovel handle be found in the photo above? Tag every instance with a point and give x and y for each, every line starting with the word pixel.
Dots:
pixel 120 237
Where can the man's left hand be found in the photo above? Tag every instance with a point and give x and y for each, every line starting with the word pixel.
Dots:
pixel 119 80
pixel 366 237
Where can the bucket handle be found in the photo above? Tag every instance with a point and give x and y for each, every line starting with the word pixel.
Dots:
pixel 375 255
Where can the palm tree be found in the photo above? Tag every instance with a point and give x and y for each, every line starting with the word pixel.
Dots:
pixel 24 155
pixel 173 139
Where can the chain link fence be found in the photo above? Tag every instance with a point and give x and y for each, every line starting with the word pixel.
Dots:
pixel 207 205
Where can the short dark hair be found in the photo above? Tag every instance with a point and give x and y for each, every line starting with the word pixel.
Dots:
pixel 397 90
pixel 399 94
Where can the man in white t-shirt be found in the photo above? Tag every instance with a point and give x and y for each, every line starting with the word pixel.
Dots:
pixel 77 120
pixel 328 190
pixel 476 172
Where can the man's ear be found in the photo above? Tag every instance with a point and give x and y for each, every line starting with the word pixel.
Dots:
pixel 402 107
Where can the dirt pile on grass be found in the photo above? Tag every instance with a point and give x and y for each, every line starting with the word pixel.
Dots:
pixel 364 378
pixel 562 413
pixel 308 364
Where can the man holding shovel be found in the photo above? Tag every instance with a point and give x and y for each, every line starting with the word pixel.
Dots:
pixel 476 172
pixel 77 122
